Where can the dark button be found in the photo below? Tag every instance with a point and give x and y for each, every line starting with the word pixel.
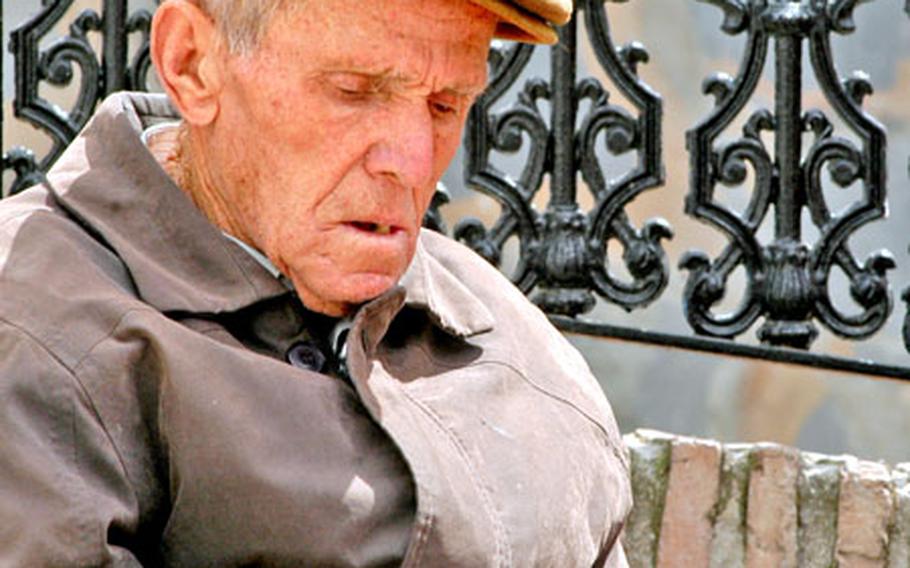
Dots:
pixel 306 355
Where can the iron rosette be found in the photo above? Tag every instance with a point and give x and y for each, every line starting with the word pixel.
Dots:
pixel 563 260
pixel 787 278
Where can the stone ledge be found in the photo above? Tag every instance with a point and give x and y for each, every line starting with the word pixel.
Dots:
pixel 702 503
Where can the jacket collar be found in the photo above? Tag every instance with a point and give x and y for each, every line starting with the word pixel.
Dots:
pixel 433 287
pixel 110 183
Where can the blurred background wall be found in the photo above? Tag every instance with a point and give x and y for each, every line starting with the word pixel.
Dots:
pixel 689 393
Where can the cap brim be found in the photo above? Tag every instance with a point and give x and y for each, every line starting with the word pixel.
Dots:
pixel 518 24
pixel 557 12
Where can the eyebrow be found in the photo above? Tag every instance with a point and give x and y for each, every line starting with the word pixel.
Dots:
pixel 471 92
pixel 388 76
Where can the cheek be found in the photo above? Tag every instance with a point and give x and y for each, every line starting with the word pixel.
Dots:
pixel 289 217
pixel 446 144
pixel 296 188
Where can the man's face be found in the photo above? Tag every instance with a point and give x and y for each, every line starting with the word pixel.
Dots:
pixel 331 137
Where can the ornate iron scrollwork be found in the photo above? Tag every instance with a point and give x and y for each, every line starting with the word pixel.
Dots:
pixel 787 278
pixel 906 295
pixel 561 125
pixel 563 255
pixel 55 66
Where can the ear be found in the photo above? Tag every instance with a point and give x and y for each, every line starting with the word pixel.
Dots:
pixel 187 54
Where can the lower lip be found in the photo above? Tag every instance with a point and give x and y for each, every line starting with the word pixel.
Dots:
pixel 365 230
pixel 372 243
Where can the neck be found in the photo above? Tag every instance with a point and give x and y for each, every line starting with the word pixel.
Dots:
pixel 192 174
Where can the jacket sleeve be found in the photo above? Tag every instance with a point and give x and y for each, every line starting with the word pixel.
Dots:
pixel 63 492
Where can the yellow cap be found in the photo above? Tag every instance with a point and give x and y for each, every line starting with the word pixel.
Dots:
pixel 529 21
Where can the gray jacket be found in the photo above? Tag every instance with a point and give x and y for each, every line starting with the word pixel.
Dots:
pixel 147 414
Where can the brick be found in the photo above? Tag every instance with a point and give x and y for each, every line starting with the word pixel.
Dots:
pixel 692 487
pixel 728 546
pixel 771 519
pixel 899 541
pixel 649 456
pixel 864 514
pixel 818 492
pixel 762 505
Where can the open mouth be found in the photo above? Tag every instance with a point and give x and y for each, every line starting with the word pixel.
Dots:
pixel 375 228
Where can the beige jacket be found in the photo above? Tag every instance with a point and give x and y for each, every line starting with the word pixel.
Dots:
pixel 147 415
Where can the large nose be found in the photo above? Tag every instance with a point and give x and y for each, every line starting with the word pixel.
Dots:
pixel 404 145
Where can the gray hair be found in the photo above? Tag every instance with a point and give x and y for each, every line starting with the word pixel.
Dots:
pixel 242 23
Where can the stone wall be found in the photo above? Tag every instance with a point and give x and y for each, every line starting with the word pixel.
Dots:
pixel 702 503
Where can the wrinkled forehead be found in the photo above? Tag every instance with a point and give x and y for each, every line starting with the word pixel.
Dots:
pixel 432 43
pixel 433 10
pixel 431 17
pixel 381 23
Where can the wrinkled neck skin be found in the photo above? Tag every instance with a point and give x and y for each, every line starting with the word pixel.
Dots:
pixel 193 176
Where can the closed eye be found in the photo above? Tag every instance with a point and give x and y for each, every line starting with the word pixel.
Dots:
pixel 447 104
pixel 355 85
pixel 443 109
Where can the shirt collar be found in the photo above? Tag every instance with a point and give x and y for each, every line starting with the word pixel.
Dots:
pixel 109 182
pixel 261 259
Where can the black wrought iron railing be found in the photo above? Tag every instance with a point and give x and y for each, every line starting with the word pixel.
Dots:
pixel 787 155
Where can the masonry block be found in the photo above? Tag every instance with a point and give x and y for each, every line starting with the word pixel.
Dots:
pixel 649 457
pixel 771 520
pixel 688 515
pixel 818 493
pixel 728 546
pixel 864 515
pixel 699 503
pixel 899 539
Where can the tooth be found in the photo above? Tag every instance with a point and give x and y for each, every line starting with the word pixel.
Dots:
pixel 383 229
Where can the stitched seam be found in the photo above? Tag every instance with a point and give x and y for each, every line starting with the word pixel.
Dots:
pixel 503 552
pixel 91 401
pixel 108 335
pixel 37 342
pixel 81 387
pixel 617 451
pixel 75 483
pixel 520 374
pixel 27 213
pixel 421 538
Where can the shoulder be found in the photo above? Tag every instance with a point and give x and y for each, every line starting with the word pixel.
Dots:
pixel 58 283
pixel 58 467
pixel 522 336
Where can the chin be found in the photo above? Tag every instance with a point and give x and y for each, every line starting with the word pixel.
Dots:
pixel 360 288
pixel 341 296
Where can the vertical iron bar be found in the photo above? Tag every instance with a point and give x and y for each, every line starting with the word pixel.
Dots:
pixel 563 186
pixel 3 48
pixel 788 138
pixel 116 44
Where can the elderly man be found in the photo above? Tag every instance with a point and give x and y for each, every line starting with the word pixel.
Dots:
pixel 226 341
